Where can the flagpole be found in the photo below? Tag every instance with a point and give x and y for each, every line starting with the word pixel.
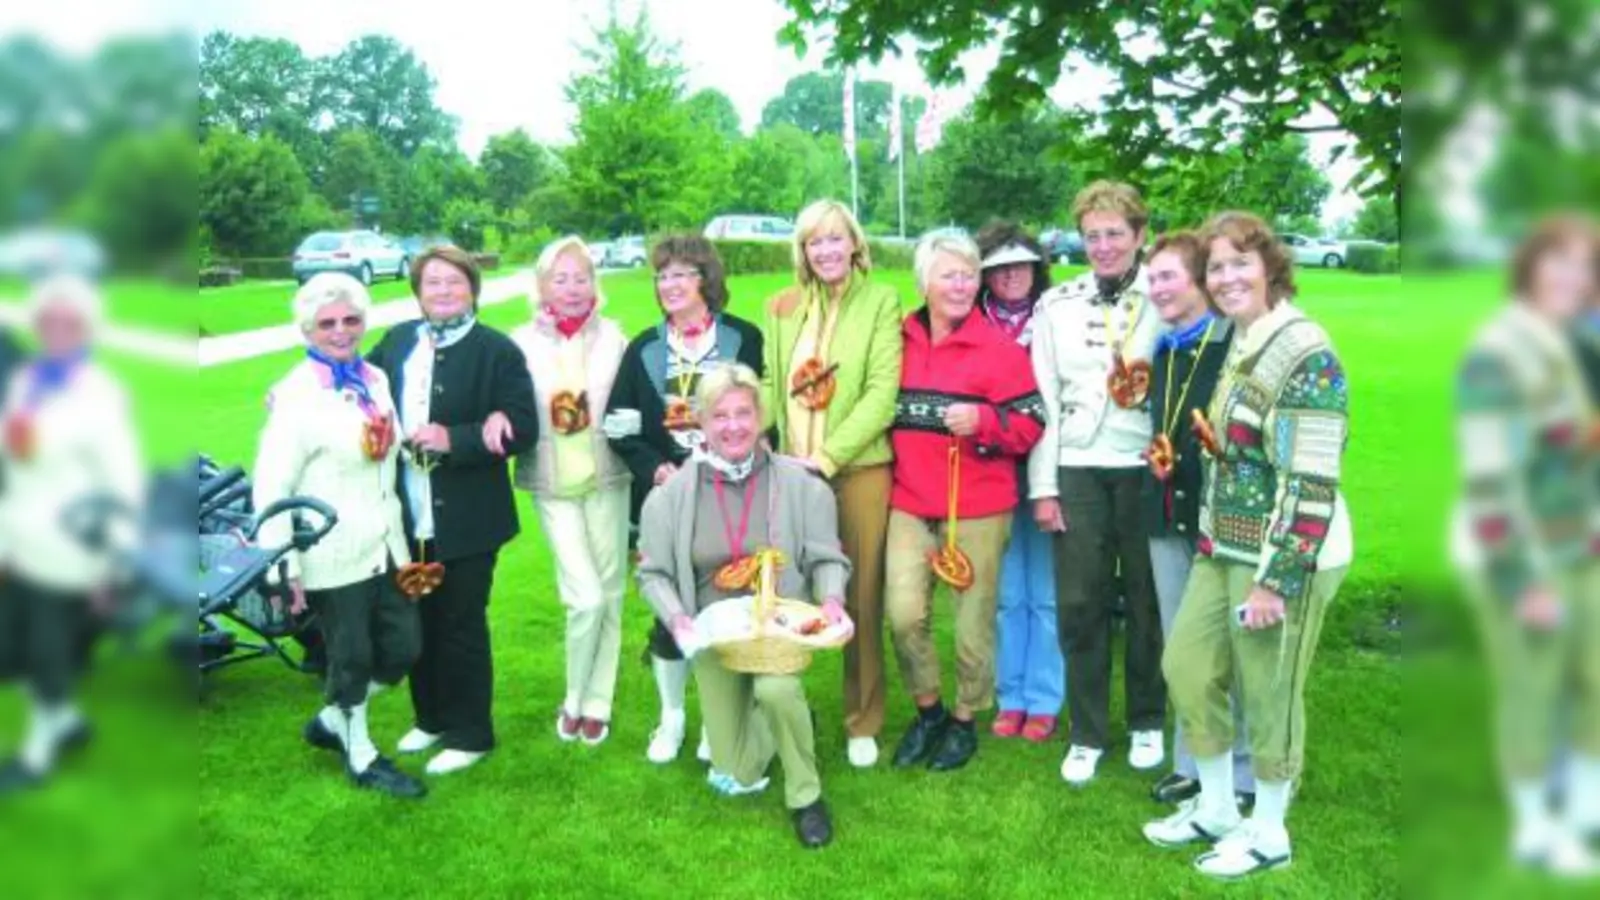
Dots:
pixel 900 154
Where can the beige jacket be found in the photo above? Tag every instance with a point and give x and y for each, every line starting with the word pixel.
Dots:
pixel 311 446
pixel 603 350
pixel 84 443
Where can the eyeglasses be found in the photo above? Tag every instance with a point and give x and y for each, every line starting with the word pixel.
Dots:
pixel 677 275
pixel 432 284
pixel 1110 234
pixel 350 323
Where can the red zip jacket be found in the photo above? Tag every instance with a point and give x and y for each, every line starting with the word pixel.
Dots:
pixel 977 363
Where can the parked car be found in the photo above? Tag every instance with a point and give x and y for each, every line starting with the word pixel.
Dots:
pixel 1063 245
pixel 37 252
pixel 750 228
pixel 416 244
pixel 365 254
pixel 626 253
pixel 597 253
pixel 1310 251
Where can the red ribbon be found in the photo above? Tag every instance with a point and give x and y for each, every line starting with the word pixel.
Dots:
pixel 736 540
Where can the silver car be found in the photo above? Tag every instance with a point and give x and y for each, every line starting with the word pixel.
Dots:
pixel 750 228
pixel 1316 251
pixel 365 254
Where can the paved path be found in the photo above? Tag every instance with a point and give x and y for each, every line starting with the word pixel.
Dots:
pixel 227 348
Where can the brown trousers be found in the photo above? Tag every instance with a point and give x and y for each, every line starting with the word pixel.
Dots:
pixel 863 496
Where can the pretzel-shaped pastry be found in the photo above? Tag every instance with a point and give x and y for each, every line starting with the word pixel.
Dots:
pixel 679 416
pixel 952 566
pixel 814 383
pixel 737 575
pixel 19 436
pixel 1129 383
pixel 418 579
pixel 1204 433
pixel 377 436
pixel 569 412
pixel 1161 456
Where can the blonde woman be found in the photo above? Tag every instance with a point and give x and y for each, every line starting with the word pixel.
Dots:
pixel 333 434
pixel 832 373
pixel 579 486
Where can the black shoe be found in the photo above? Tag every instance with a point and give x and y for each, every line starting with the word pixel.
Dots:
pixel 812 825
pixel 1246 800
pixel 15 777
pixel 321 736
pixel 1175 788
pixel 920 741
pixel 959 743
pixel 382 776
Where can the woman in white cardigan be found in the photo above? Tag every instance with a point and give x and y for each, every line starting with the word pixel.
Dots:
pixel 331 434
pixel 68 434
pixel 580 488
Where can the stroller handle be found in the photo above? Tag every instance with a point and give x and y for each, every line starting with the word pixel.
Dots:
pixel 304 538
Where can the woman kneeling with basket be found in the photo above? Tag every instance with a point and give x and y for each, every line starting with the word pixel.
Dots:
pixel 723 542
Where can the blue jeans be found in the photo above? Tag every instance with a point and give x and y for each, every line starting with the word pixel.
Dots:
pixel 1028 669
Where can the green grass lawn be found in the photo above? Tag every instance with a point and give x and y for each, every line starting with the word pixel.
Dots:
pixel 263 304
pixel 545 819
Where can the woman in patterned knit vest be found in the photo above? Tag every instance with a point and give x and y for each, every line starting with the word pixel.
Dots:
pixel 1525 538
pixel 1274 545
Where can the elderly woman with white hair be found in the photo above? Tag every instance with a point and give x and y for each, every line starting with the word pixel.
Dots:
pixel 968 412
pixel 67 434
pixel 331 433
pixel 580 488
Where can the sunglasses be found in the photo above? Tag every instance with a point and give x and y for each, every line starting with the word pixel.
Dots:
pixel 350 323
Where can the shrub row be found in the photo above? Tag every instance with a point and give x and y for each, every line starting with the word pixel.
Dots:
pixel 1373 259
pixel 768 257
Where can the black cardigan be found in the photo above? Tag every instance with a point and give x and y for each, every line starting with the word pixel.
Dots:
pixel 1185 481
pixel 645 452
pixel 474 510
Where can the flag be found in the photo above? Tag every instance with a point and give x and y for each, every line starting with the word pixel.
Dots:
pixel 931 126
pixel 850 114
pixel 894 127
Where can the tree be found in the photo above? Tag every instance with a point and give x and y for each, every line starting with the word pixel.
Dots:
pixel 419 188
pixel 814 103
pixel 252 193
pixel 1184 75
pixel 355 169
pixel 636 163
pixel 262 86
pixel 985 168
pixel 465 220
pixel 713 112
pixel 1376 222
pixel 376 83
pixel 141 200
pixel 513 165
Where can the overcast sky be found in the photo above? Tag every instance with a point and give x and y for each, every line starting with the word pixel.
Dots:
pixel 495 74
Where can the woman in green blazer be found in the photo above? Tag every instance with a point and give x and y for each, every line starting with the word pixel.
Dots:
pixel 831 377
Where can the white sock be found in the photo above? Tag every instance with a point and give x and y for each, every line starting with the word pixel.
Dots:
pixel 1583 792
pixel 672 681
pixel 1529 805
pixel 1216 786
pixel 38 751
pixel 332 718
pixel 1272 804
pixel 358 743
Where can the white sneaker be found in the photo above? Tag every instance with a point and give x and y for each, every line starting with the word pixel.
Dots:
pixel 1146 750
pixel 863 752
pixel 1532 841
pixel 1077 769
pixel 727 786
pixel 703 752
pixel 1569 857
pixel 452 761
pixel 1245 851
pixel 666 740
pixel 416 741
pixel 1189 826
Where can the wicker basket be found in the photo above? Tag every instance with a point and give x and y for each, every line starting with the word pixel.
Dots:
pixel 774 650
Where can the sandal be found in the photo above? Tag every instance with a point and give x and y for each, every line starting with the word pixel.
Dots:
pixel 1039 728
pixel 1008 724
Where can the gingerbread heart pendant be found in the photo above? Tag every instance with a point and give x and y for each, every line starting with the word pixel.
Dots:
pixel 569 412
pixel 418 579
pixel 19 437
pixel 737 575
pixel 377 437
pixel 1129 383
pixel 813 384
pixel 679 416
pixel 1161 456
pixel 952 566
pixel 1204 433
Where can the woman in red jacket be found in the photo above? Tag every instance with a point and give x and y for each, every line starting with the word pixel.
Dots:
pixel 968 410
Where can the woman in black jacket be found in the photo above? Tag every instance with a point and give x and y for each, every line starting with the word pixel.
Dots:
pixel 450 374
pixel 651 422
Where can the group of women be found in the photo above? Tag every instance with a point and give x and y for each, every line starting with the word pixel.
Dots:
pixel 1162 433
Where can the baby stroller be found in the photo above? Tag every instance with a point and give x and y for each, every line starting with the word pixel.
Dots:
pixel 233 568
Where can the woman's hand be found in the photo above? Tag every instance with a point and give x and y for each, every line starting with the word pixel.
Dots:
pixel 663 472
pixel 1262 609
pixel 1539 608
pixel 496 431
pixel 833 611
pixel 297 597
pixel 962 419
pixel 433 438
pixel 1047 515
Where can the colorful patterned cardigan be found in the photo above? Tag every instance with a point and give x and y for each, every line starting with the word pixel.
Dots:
pixel 1272 496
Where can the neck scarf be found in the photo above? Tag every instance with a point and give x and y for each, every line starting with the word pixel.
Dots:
pixel 1015 319
pixel 1109 290
pixel 448 331
pixel 349 375
pixel 49 374
pixel 1188 337
pixel 566 326
pixel 694 329
pixel 735 472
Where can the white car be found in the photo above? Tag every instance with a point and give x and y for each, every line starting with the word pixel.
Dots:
pixel 750 228
pixel 626 253
pixel 1310 251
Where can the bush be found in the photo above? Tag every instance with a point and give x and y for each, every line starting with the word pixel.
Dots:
pixel 273 268
pixel 525 246
pixel 755 257
pixel 896 256
pixel 1372 258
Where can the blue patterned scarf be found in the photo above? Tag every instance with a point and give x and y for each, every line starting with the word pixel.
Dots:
pixel 1186 338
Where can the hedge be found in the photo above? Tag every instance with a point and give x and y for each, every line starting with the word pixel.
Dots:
pixel 767 257
pixel 1373 259
pixel 275 268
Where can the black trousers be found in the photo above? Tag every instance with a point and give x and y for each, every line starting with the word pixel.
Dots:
pixel 1105 525
pixel 42 637
pixel 372 632
pixel 452 683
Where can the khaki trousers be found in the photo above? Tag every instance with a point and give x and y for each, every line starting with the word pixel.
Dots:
pixel 863 497
pixel 750 719
pixel 588 538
